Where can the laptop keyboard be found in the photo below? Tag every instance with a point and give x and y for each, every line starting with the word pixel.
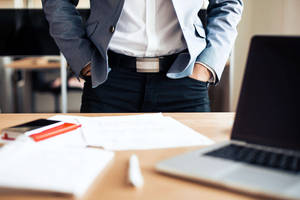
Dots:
pixel 258 157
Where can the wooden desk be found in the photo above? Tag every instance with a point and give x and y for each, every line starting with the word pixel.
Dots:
pixel 113 183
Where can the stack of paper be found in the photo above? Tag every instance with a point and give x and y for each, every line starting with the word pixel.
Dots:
pixel 64 164
pixel 148 131
pixel 29 166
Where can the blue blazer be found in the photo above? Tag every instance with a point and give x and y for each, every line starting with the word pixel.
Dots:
pixel 81 43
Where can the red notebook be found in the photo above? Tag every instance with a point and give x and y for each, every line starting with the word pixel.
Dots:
pixel 66 127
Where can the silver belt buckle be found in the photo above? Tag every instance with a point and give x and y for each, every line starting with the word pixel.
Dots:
pixel 147 65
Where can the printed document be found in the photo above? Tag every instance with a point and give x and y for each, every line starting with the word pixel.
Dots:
pixel 147 131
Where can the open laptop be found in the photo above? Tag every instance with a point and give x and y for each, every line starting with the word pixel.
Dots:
pixel 263 155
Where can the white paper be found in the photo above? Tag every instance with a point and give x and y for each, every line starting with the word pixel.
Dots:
pixel 148 131
pixel 38 167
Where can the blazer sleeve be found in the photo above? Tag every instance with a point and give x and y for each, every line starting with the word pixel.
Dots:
pixel 223 17
pixel 67 29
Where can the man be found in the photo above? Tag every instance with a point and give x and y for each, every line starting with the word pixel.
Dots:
pixel 145 55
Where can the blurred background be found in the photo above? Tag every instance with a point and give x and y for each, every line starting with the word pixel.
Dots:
pixel 34 78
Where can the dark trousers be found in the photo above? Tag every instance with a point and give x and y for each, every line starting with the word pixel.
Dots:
pixel 128 91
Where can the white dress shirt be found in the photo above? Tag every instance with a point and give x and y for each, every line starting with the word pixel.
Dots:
pixel 148 28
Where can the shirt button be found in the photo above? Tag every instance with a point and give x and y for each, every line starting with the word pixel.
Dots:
pixel 112 29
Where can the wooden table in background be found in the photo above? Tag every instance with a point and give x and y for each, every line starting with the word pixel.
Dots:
pixel 34 63
pixel 27 65
pixel 113 185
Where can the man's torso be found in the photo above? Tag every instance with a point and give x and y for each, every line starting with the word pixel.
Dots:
pixel 148 28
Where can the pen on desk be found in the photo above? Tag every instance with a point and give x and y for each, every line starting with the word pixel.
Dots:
pixel 135 176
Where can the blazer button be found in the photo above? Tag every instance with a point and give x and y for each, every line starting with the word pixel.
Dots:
pixel 112 29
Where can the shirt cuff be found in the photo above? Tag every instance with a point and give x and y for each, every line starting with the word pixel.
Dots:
pixel 213 78
pixel 87 64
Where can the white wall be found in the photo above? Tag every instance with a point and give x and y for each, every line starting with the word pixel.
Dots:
pixel 292 17
pixel 270 17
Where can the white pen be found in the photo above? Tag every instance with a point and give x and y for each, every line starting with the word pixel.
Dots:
pixel 135 176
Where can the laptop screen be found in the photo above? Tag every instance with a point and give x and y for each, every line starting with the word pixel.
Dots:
pixel 268 111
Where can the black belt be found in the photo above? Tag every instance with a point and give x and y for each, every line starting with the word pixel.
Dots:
pixel 158 64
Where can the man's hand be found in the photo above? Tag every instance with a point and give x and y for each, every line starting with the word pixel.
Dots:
pixel 201 73
pixel 86 71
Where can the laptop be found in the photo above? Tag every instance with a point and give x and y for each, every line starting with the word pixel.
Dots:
pixel 263 154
